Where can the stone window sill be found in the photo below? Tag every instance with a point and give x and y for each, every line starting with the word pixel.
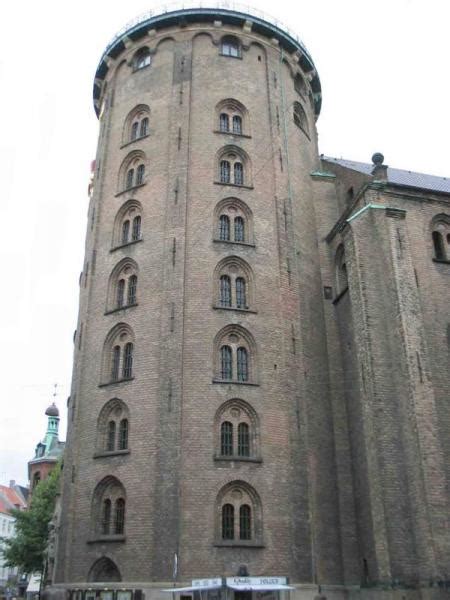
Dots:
pixel 235 458
pixel 441 260
pixel 101 539
pixel 130 189
pixel 238 544
pixel 117 381
pixel 234 382
pixel 233 133
pixel 126 245
pixel 234 308
pixel 138 139
pixel 339 296
pixel 238 185
pixel 217 241
pixel 114 310
pixel 108 453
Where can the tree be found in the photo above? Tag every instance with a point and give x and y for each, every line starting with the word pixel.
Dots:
pixel 26 549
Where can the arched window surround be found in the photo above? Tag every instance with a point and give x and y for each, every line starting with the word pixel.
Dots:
pixel 233 209
pixel 129 212
pixel 235 337
pixel 108 499
pixel 115 412
pixel 134 127
pixel 236 412
pixel 237 271
pixel 233 167
pixel 116 350
pixel 122 284
pixel 440 238
pixel 232 117
pixel 104 570
pixel 230 528
pixel 133 172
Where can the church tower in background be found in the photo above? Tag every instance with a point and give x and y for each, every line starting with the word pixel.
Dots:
pixel 253 400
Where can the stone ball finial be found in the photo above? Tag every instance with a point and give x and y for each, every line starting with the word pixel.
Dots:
pixel 52 411
pixel 377 159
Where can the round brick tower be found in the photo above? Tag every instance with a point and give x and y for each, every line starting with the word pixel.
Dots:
pixel 200 440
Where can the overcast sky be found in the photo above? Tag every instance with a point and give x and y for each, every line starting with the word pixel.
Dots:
pixel 385 82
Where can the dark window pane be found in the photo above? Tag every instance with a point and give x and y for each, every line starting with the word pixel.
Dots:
pixel 134 130
pixel 130 176
pixel 136 233
pixel 230 47
pixel 125 231
pixel 225 291
pixel 120 292
pixel 226 368
pixel 228 522
pixel 119 517
pixel 224 122
pixel 140 174
pixel 111 440
pixel 123 434
pixel 237 124
pixel 241 300
pixel 224 171
pixel 239 229
pixel 238 174
pixel 143 59
pixel 243 440
pixel 242 364
pixel 127 370
pixel 438 243
pixel 226 439
pixel 144 127
pixel 106 516
pixel 115 363
pixel 245 524
pixel 224 228
pixel 132 287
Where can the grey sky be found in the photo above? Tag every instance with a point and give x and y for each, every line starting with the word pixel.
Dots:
pixel 385 83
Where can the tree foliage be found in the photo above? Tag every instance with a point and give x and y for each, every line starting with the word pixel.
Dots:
pixel 26 549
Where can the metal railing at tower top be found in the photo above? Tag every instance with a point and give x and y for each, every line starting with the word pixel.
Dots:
pixel 219 5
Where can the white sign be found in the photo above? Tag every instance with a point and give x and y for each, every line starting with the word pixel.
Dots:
pixel 200 583
pixel 256 580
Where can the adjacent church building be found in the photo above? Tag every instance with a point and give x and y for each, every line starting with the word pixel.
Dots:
pixel 260 396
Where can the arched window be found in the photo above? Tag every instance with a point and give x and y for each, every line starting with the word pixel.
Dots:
pixel 230 47
pixel 224 228
pixel 226 363
pixel 233 284
pixel 36 479
pixel 136 124
pixel 440 234
pixel 300 118
pixel 235 355
pixel 142 59
pixel 224 122
pixel 225 291
pixel 132 171
pixel 104 570
pixel 127 224
pixel 234 166
pixel 123 285
pixel 108 508
pixel 239 515
pixel 113 427
pixel 237 427
pixel 226 439
pixel 117 363
pixel 140 174
pixel 237 124
pixel 233 221
pixel 233 117
pixel 130 179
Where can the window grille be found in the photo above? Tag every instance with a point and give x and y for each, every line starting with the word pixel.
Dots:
pixel 238 174
pixel 134 130
pixel 237 124
pixel 225 171
pixel 225 291
pixel 140 174
pixel 110 442
pixel 242 364
pixel 241 301
pixel 106 516
pixel 125 231
pixel 239 229
pixel 245 525
pixel 438 243
pixel 136 233
pixel 123 434
pixel 228 522
pixel 224 228
pixel 224 122
pixel 130 177
pixel 243 440
pixel 226 368
pixel 120 292
pixel 128 361
pixel 144 127
pixel 132 287
pixel 226 439
pixel 115 363
pixel 119 517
